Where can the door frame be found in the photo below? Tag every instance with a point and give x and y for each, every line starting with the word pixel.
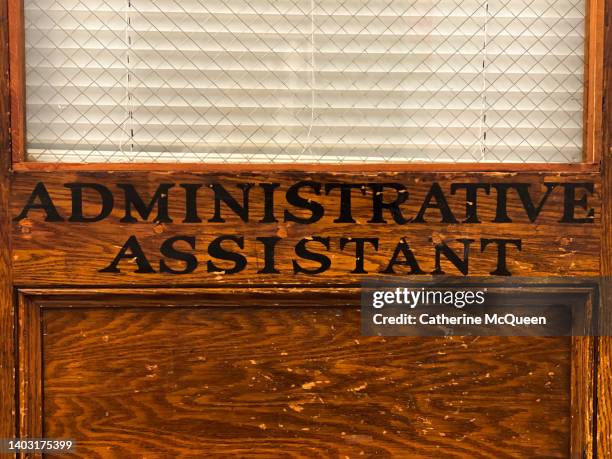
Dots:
pixel 11 298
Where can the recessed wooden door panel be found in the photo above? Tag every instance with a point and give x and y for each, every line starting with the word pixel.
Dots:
pixel 159 378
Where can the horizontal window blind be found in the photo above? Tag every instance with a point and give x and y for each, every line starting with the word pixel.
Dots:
pixel 305 81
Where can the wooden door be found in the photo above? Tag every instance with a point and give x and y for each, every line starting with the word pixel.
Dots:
pixel 198 325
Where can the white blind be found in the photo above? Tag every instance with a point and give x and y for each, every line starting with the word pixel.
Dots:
pixel 305 80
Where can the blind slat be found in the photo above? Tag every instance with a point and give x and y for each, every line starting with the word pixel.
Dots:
pixel 263 80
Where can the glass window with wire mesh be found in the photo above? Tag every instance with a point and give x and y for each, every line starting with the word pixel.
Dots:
pixel 305 81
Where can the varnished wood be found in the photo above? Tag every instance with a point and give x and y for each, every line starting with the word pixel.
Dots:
pixel 211 297
pixel 307 167
pixel 583 379
pixel 64 253
pixel 7 317
pixel 594 81
pixel 262 377
pixel 16 41
pixel 604 369
pixel 30 371
pixel 105 315
pixel 286 345
pixel 604 392
pixel 244 400
pixel 583 397
pixel 530 288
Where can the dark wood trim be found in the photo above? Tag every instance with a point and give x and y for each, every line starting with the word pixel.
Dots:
pixel 603 399
pixel 298 296
pixel 604 367
pixel 606 164
pixel 306 167
pixel 593 98
pixel 16 41
pixel 593 115
pixel 30 371
pixel 226 295
pixel 7 318
pixel 33 301
pixel 582 397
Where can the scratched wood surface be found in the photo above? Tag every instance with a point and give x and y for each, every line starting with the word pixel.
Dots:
pixel 65 253
pixel 295 382
pixel 7 318
pixel 604 370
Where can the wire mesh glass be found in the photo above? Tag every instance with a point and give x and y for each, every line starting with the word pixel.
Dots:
pixel 291 81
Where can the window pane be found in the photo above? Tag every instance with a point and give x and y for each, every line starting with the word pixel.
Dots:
pixel 305 81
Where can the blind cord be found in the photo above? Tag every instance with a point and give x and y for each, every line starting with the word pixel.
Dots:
pixel 482 132
pixel 307 142
pixel 129 124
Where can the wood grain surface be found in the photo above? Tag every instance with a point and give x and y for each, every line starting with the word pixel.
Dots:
pixel 287 382
pixel 70 253
pixel 7 316
pixel 604 369
pixel 295 382
pixel 30 362
pixel 15 30
pixel 594 80
pixel 310 168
